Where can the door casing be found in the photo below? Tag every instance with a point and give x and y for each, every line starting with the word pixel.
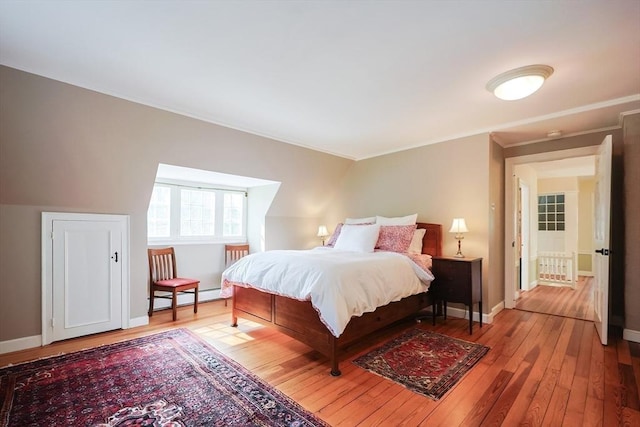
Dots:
pixel 510 206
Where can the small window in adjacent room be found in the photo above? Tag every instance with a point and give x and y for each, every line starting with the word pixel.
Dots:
pixel 551 212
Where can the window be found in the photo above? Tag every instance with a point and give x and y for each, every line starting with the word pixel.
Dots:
pixel 197 212
pixel 551 212
pixel 159 214
pixel 233 214
pixel 189 213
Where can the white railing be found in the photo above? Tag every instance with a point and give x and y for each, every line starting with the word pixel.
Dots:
pixel 556 267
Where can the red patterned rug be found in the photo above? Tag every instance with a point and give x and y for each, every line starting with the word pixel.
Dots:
pixel 424 362
pixel 168 379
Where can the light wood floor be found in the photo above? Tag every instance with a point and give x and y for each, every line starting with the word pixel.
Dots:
pixel 541 370
pixel 560 300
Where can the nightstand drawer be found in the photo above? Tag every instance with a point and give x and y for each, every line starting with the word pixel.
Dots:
pixel 455 294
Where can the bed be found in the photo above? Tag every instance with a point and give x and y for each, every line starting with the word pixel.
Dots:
pixel 300 320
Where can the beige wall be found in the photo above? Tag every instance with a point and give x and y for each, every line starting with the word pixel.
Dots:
pixel 63 148
pixel 557 185
pixel 586 189
pixel 631 127
pixel 459 178
pixel 495 260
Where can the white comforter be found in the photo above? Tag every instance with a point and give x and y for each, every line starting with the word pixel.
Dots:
pixel 339 284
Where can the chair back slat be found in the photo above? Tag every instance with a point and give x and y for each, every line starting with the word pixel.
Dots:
pixel 233 253
pixel 162 264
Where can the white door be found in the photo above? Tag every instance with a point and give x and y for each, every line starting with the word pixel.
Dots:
pixel 83 290
pixel 601 238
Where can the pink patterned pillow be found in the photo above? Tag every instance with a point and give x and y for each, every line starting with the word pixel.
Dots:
pixel 395 238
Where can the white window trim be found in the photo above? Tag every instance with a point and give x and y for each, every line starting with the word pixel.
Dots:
pixel 217 238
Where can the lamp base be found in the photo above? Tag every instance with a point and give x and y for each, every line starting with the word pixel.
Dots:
pixel 459 253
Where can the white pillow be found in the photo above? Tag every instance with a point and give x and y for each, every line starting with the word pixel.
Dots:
pixel 398 220
pixel 416 242
pixel 368 220
pixel 358 238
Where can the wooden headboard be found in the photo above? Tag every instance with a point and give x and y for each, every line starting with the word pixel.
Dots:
pixel 432 240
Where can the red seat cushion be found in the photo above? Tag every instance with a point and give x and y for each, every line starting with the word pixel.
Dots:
pixel 178 281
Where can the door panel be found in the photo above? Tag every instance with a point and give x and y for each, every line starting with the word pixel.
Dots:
pixel 87 279
pixel 601 238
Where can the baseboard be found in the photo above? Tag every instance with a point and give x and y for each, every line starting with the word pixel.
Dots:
pixel 138 321
pixel 36 340
pixel 486 317
pixel 631 335
pixel 20 344
pixel 585 273
pixel 494 312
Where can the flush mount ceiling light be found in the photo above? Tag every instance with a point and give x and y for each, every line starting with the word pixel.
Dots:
pixel 519 83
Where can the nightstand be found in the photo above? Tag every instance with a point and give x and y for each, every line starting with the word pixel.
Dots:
pixel 458 280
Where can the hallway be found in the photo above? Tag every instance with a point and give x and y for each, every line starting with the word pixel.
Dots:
pixel 560 300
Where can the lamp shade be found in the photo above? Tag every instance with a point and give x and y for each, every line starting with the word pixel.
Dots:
pixel 322 231
pixel 458 226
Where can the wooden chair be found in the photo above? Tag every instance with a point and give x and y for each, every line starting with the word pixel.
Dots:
pixel 163 276
pixel 233 253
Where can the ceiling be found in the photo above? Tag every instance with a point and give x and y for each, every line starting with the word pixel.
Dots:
pixel 172 173
pixel 356 79
pixel 572 167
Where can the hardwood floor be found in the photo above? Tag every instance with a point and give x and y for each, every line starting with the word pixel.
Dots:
pixel 560 300
pixel 541 370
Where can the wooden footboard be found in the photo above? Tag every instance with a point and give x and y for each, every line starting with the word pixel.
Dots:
pixel 299 320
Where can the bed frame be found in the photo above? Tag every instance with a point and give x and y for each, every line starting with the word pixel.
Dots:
pixel 299 320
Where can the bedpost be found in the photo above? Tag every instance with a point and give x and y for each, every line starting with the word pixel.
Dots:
pixel 234 316
pixel 335 369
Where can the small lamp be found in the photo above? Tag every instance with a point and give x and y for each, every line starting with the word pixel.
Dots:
pixel 322 233
pixel 459 226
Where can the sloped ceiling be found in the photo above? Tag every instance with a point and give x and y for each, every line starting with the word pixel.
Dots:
pixel 353 78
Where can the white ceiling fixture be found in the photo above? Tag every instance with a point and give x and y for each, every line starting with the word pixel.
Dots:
pixel 519 83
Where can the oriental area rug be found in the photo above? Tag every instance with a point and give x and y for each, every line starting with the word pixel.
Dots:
pixel 424 362
pixel 167 379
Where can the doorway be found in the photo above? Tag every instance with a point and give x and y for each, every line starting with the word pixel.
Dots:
pixel 523 290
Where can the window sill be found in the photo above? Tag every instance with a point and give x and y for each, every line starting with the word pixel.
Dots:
pixel 183 242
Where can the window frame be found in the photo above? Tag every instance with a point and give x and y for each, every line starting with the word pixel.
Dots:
pixel 175 238
pixel 551 208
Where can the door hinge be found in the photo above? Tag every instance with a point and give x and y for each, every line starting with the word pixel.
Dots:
pixel 53 323
pixel 51 235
